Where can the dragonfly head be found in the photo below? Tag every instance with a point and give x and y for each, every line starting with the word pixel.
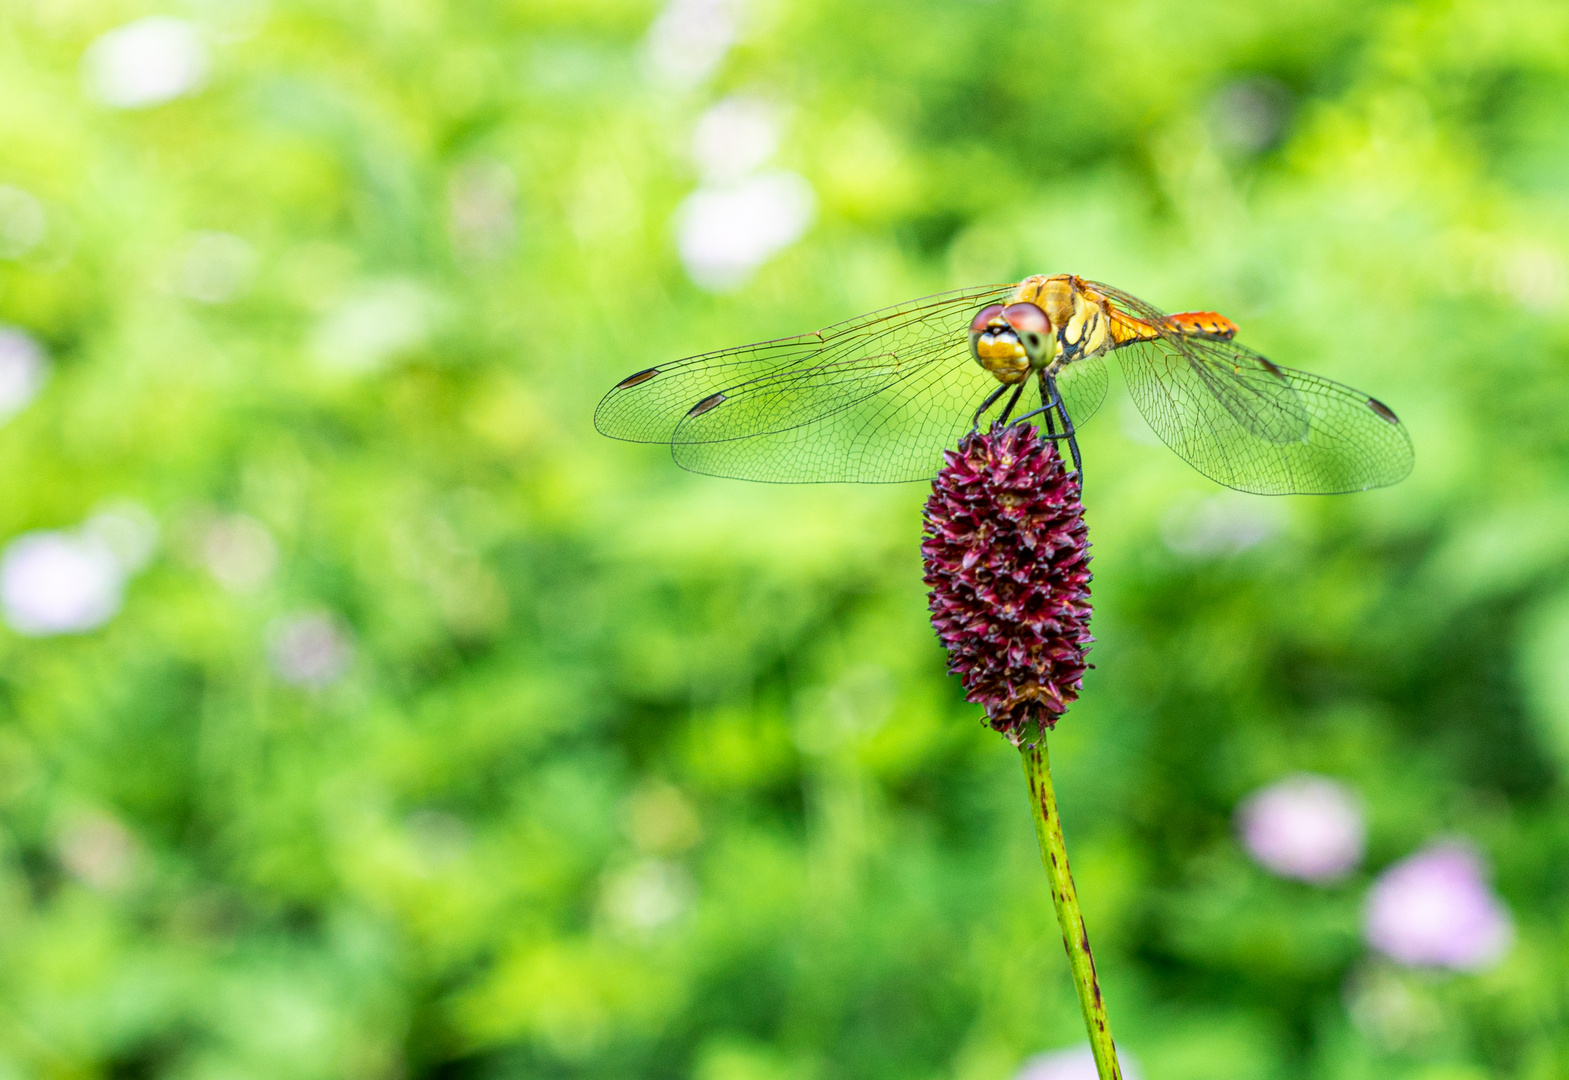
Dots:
pixel 1011 341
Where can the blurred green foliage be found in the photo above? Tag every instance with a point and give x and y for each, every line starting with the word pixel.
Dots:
pixel 636 773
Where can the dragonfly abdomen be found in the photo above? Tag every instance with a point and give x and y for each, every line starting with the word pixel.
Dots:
pixel 1210 324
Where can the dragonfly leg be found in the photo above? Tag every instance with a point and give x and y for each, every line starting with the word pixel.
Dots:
pixel 1067 425
pixel 1046 408
pixel 991 399
pixel 1053 405
pixel 1012 401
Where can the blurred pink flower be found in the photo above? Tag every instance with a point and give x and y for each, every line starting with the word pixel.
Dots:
pixel 310 649
pixel 1304 826
pixel 482 208
pixel 1435 909
pixel 1073 1063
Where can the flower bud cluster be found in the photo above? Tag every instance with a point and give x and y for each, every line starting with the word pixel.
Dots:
pixel 1007 558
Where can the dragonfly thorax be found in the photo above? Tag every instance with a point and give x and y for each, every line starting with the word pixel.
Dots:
pixel 1081 320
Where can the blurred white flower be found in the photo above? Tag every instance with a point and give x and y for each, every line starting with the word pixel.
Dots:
pixel 1393 1009
pixel 1435 909
pixel 688 40
pixel 23 223
pixel 214 267
pixel 1222 524
pixel 23 370
pixel 1305 827
pixel 440 838
pixel 1534 277
pixel 1523 270
pixel 238 552
pixel 1074 1063
pixel 725 233
pixel 97 850
pixel 648 895
pixel 733 138
pixel 146 62
pixel 59 583
pixel 310 649
pixel 128 529
pixel 374 326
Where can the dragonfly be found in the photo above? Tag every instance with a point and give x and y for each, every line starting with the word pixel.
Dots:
pixel 878 398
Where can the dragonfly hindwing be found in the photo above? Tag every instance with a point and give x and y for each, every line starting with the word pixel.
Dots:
pixel 1256 394
pixel 1082 385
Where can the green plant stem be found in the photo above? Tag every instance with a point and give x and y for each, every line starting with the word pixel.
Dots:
pixel 1054 856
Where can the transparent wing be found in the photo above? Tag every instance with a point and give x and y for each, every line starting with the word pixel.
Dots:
pixel 1082 385
pixel 797 380
pixel 1246 423
pixel 1256 393
pixel 874 419
pixel 1130 305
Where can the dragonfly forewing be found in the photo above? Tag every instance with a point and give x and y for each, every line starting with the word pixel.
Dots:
pixel 887 424
pixel 650 405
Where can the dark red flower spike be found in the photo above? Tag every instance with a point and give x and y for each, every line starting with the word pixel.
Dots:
pixel 1007 557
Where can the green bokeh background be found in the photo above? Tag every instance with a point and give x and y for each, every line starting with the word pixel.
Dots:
pixel 585 681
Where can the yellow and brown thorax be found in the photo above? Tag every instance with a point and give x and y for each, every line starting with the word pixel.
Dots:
pixel 1013 340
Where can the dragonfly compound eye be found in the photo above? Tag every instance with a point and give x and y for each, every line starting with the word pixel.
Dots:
pixel 1032 326
pixel 983 318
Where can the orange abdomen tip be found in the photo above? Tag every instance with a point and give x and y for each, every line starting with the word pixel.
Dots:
pixel 1210 324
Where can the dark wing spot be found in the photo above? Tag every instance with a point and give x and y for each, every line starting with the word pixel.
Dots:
pixel 1383 410
pixel 639 377
pixel 703 406
pixel 1270 366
